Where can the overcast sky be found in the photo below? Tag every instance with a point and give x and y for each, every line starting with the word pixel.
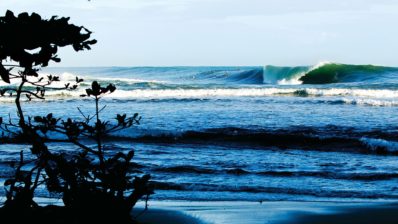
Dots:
pixel 227 32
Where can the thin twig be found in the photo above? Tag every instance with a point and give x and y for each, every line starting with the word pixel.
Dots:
pixel 33 94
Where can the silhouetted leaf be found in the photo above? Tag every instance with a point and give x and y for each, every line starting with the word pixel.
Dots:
pixel 4 74
pixel 111 88
pixel 38 119
pixel 89 92
pixel 9 182
pixel 95 87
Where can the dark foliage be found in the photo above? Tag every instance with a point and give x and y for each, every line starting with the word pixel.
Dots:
pixel 24 33
pixel 94 186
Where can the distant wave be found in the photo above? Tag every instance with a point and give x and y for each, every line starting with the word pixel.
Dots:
pixel 170 75
pixel 333 73
pixel 315 139
pixel 328 139
pixel 238 75
pixel 272 190
pixel 325 73
pixel 150 77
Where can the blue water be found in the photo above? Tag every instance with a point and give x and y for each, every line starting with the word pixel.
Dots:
pixel 323 132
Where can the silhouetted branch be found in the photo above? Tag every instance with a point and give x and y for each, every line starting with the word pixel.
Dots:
pixel 100 190
pixel 88 149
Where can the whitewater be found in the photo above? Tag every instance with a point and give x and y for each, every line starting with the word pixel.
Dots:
pixel 321 132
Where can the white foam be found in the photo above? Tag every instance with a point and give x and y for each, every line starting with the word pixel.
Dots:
pixel 293 81
pixel 200 93
pixel 349 96
pixel 372 93
pixel 251 92
pixel 371 102
pixel 66 76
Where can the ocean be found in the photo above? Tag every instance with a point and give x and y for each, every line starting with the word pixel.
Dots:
pixel 327 132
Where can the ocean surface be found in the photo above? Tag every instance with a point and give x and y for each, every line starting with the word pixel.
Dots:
pixel 327 132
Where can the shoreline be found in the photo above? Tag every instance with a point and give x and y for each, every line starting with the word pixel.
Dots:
pixel 271 212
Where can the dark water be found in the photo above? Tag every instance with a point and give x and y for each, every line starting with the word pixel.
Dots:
pixel 324 132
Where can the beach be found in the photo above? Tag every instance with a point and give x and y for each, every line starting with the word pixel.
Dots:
pixel 280 212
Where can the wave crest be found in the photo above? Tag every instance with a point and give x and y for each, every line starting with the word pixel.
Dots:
pixel 326 73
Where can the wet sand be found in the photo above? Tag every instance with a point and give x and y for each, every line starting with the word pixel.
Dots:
pixel 281 212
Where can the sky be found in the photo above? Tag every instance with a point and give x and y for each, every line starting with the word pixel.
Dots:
pixel 227 32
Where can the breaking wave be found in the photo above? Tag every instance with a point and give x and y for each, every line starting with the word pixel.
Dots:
pixel 326 73
pixel 326 139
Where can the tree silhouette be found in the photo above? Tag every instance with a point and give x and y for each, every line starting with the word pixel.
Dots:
pixel 95 186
